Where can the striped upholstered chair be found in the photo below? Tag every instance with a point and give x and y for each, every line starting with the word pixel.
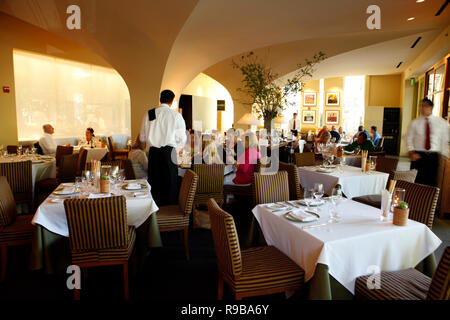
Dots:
pixel 295 190
pixel 409 284
pixel 15 229
pixel 176 217
pixel 210 183
pixel 268 188
pixel 374 200
pixel 250 272
pixel 305 159
pixel 422 201
pixel 19 176
pixel 99 235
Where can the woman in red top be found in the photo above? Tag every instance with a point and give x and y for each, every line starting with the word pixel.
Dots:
pixel 246 162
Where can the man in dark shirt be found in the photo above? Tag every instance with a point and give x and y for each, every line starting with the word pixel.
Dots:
pixel 335 134
pixel 362 142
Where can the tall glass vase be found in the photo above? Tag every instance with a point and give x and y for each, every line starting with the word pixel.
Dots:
pixel 269 125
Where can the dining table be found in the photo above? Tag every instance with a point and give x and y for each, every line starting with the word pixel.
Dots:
pixel 96 153
pixel 42 166
pixel 50 245
pixel 354 182
pixel 333 253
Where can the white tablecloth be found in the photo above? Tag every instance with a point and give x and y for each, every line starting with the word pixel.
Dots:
pixel 350 247
pixel 52 216
pixel 354 183
pixel 93 153
pixel 39 171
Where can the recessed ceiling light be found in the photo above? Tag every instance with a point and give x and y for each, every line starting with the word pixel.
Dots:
pixel 419 1
pixel 410 19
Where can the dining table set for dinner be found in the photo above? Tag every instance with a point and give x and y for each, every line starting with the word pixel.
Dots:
pixel 347 237
pixel 139 202
pixel 353 181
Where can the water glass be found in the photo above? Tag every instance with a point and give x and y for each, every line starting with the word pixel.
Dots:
pixel 318 191
pixel 308 197
pixel 372 163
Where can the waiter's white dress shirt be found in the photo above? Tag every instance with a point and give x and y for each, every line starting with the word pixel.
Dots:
pixel 416 135
pixel 168 129
pixel 47 144
pixel 297 124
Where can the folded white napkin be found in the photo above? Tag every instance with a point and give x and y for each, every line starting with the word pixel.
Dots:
pixel 301 215
pixel 98 195
pixel 385 202
pixel 132 186
pixel 140 194
pixel 313 203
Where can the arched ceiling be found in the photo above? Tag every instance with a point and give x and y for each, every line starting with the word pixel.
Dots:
pixel 157 44
pixel 218 30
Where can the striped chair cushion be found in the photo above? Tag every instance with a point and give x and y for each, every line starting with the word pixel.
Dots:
pixel 110 254
pixel 187 191
pixel 226 241
pixel 97 223
pixel 8 210
pixel 305 159
pixel 440 284
pixel 171 217
pixel 265 268
pixel 270 188
pixel 422 201
pixel 20 229
pixel 18 175
pixel 210 182
pixel 294 180
pixel 408 284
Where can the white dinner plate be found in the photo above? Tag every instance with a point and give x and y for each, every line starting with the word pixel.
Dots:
pixel 139 187
pixel 66 192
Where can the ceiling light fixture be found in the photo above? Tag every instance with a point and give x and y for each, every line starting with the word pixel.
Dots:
pixel 410 19
pixel 419 1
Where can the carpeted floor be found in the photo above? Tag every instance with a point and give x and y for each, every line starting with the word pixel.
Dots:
pixel 166 275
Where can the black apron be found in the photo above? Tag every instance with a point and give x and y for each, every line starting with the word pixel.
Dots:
pixel 162 172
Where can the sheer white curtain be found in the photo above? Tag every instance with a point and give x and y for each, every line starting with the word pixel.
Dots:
pixel 353 115
pixel 70 95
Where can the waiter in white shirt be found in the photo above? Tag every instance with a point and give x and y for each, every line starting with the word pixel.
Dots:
pixel 162 130
pixel 294 125
pixel 427 138
pixel 46 142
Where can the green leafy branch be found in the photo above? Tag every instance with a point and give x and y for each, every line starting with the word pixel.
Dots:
pixel 267 98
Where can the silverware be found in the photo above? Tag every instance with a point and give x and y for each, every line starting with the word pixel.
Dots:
pixel 315 226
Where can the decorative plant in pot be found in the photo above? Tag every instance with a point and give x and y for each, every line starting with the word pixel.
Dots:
pixel 268 94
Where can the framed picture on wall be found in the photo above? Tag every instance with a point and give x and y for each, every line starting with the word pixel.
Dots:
pixel 309 116
pixel 332 98
pixel 309 98
pixel 332 117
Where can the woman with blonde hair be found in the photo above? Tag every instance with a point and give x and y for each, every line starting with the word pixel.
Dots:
pixel 247 160
pixel 138 159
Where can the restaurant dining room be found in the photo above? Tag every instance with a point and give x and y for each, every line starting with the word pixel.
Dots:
pixel 217 159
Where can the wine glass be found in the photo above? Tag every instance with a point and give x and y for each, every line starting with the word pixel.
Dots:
pixel 318 191
pixel 308 197
pixel 331 159
pixel 335 199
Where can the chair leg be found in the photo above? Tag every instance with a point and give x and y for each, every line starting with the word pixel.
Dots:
pixel 125 282
pixel 76 294
pixel 3 265
pixel 220 288
pixel 186 242
pixel 134 262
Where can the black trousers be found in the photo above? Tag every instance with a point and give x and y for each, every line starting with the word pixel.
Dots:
pixel 427 168
pixel 163 175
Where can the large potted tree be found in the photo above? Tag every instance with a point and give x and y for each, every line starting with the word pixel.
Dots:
pixel 266 93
